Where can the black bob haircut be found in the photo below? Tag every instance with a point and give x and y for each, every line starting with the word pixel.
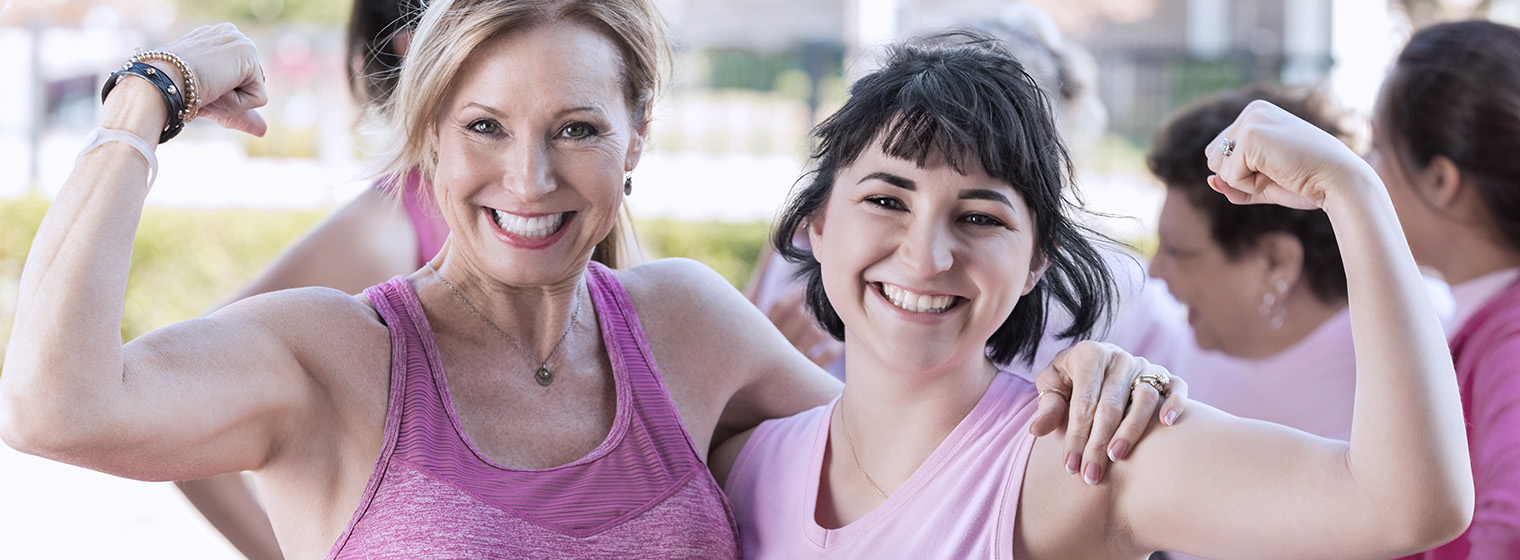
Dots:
pixel 956 96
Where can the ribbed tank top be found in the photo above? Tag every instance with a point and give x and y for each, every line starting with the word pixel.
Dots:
pixel 961 503
pixel 642 493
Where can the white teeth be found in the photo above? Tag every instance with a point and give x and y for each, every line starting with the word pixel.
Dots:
pixel 529 227
pixel 916 303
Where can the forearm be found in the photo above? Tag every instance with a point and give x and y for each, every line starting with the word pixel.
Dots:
pixel 65 352
pixel 1408 442
pixel 230 506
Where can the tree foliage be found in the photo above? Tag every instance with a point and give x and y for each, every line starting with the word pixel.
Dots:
pixel 267 11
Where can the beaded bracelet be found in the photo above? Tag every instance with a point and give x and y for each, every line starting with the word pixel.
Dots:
pixel 174 103
pixel 192 87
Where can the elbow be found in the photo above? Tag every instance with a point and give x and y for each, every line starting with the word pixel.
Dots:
pixel 1444 519
pixel 30 425
pixel 15 431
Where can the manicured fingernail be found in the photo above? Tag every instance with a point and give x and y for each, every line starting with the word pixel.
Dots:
pixel 1170 418
pixel 1092 473
pixel 1117 449
pixel 1073 462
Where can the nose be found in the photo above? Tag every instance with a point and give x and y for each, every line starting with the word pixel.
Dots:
pixel 928 248
pixel 528 170
pixel 1158 264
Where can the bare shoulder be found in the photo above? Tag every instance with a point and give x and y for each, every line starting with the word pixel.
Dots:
pixel 675 276
pixel 330 333
pixel 686 297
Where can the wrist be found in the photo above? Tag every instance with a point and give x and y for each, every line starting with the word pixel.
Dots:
pixel 135 106
pixel 1355 193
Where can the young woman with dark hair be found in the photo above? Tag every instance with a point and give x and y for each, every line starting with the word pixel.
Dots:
pixel 1446 132
pixel 940 179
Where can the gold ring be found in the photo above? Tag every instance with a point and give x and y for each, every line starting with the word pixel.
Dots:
pixel 1159 381
pixel 1064 396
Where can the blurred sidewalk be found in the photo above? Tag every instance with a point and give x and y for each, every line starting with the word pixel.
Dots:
pixel 51 510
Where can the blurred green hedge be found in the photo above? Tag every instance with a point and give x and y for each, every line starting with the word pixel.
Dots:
pixel 186 260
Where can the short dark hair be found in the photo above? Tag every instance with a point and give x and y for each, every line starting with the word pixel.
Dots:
pixel 1455 92
pixel 1177 158
pixel 959 100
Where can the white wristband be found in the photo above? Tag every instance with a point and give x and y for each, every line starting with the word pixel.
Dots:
pixel 101 136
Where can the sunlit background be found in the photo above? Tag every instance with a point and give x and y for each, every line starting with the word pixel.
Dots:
pixel 729 139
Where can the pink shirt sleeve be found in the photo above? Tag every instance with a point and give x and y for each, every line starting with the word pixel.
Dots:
pixel 1494 433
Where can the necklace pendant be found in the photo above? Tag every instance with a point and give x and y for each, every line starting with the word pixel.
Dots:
pixel 544 376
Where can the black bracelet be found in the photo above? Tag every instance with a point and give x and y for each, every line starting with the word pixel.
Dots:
pixel 174 101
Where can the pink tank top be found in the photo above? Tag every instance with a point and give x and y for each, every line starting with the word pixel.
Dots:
pixel 642 493
pixel 961 503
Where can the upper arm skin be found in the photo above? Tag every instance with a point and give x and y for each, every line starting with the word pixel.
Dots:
pixel 228 391
pixel 727 367
pixel 366 242
pixel 1216 486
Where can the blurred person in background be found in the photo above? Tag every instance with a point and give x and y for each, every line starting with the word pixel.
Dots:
pixel 340 404
pixel 1445 134
pixel 1264 285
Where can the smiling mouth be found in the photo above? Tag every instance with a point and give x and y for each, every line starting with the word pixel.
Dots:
pixel 917 303
pixel 537 226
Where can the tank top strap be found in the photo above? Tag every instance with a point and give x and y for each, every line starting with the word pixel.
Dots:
pixel 418 404
pixel 628 349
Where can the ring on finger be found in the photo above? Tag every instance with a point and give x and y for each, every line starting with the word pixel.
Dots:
pixel 1062 394
pixel 1160 381
pixel 1226 147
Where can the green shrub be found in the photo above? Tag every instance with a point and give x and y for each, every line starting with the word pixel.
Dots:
pixel 183 261
pixel 730 248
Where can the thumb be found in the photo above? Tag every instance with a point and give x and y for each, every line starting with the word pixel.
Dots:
pixel 249 121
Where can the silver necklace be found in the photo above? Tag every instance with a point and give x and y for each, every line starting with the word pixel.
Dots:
pixel 851 442
pixel 544 376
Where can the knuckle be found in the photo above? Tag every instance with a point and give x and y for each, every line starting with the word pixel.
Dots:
pixel 1110 409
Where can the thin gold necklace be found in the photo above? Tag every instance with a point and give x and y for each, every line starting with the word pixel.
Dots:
pixel 845 422
pixel 544 376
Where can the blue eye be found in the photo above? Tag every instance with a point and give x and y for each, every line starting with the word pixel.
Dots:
pixel 484 126
pixel 886 202
pixel 578 130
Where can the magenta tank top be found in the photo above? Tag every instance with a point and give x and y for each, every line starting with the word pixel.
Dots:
pixel 642 493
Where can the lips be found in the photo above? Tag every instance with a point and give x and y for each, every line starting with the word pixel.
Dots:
pixel 914 302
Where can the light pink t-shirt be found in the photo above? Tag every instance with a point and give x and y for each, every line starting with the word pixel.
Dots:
pixel 1309 386
pixel 960 503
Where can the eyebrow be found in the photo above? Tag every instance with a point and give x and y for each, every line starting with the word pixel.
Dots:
pixel 560 114
pixel 968 194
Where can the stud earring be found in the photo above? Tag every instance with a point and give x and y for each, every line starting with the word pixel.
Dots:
pixel 628 184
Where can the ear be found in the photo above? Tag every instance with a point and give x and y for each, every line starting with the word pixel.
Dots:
pixel 1442 182
pixel 1284 257
pixel 636 145
pixel 1036 272
pixel 813 226
pixel 402 41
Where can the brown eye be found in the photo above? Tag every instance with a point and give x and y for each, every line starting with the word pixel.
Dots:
pixel 886 202
pixel 982 220
pixel 578 130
